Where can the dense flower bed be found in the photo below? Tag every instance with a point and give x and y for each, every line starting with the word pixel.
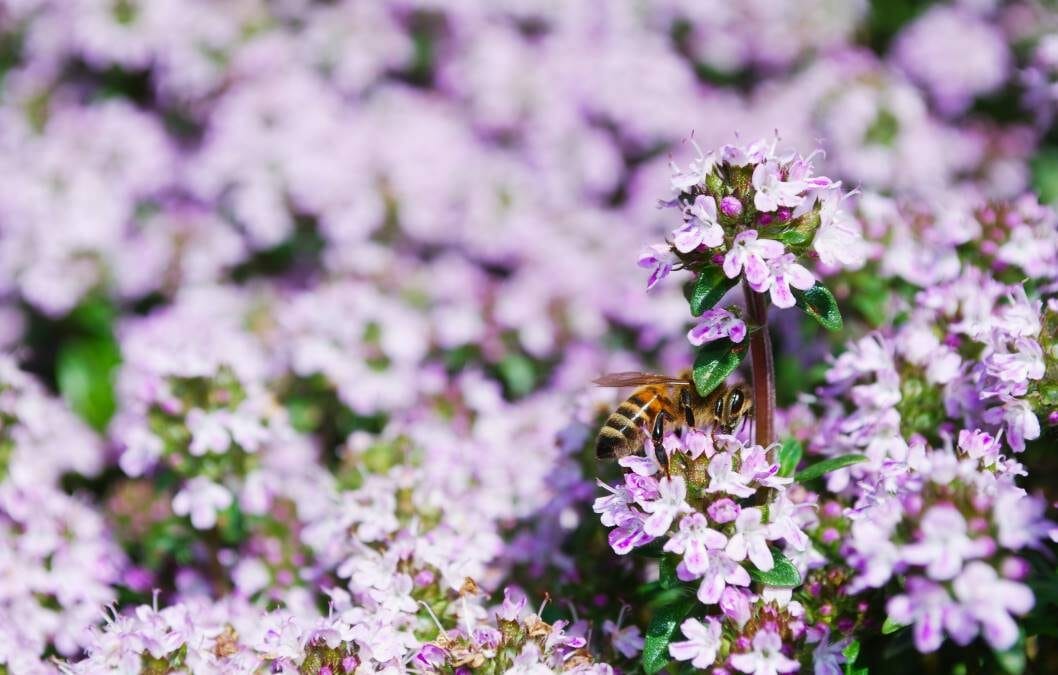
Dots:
pixel 301 303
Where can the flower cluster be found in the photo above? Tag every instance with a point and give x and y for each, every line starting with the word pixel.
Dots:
pixel 755 212
pixel 299 304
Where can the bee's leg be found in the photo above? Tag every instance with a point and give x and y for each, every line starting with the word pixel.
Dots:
pixel 657 435
pixel 685 403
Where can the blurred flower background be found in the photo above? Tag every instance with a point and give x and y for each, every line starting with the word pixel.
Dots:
pixel 301 302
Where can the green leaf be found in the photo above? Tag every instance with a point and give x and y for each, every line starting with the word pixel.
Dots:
pixel 712 284
pixel 826 466
pixel 1013 660
pixel 1045 175
pixel 783 574
pixel 715 361
pixel 84 370
pixel 890 626
pixel 667 572
pixel 851 653
pixel 793 237
pixel 819 303
pixel 789 456
pixel 659 633
pixel 518 374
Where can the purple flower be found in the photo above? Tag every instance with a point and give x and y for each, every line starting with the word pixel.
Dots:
pixel 627 641
pixel 1025 363
pixel 751 539
pixel 751 253
pixel 1022 423
pixel 717 324
pixel 697 170
pixel 658 258
pixel 670 502
pixel 722 571
pixel 926 605
pixel 828 657
pixel 642 465
pixel 701 227
pixel 723 510
pixel 838 240
pixel 693 540
pixel 766 658
pixel 724 478
pixel 944 544
pixel 773 192
pixel 785 272
pixel 990 600
pixel 201 498
pixel 701 645
pixel 731 207
pixel 735 604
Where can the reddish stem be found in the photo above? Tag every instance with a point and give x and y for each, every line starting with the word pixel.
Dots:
pixel 763 366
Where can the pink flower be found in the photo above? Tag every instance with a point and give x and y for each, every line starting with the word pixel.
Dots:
pixel 926 605
pixel 749 252
pixel 701 227
pixel 766 658
pixel 701 645
pixel 658 258
pixel 670 502
pixel 785 272
pixel 629 533
pixel 944 543
pixel 838 240
pixel 1026 363
pixel 771 191
pixel 693 540
pixel 722 571
pixel 201 499
pixel 990 600
pixel 724 478
pixel 751 539
pixel 717 324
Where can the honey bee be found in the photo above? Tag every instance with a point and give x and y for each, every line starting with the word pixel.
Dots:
pixel 660 398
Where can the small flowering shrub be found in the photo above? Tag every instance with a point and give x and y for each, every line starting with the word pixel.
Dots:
pixel 301 304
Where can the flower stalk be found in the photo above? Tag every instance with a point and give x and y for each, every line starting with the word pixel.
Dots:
pixel 763 366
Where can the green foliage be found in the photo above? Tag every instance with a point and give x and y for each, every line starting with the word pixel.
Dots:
pixel 890 626
pixel 851 653
pixel 659 633
pixel 783 574
pixel 84 371
pixel 820 469
pixel 518 374
pixel 667 572
pixel 819 303
pixel 709 288
pixel 790 456
pixel 715 361
pixel 1045 175
pixel 1013 661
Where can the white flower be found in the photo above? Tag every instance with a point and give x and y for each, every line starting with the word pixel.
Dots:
pixel 750 252
pixel 701 227
pixel 703 641
pixel 201 498
pixel 751 538
pixel 766 658
pixel 670 503
pixel 838 240
pixel 773 192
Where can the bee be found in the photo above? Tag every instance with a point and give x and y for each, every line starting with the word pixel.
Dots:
pixel 659 399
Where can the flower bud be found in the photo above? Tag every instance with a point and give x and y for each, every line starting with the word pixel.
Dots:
pixel 731 207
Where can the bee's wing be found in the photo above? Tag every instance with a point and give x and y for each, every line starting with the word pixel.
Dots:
pixel 636 379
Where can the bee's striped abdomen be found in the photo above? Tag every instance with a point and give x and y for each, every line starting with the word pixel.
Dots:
pixel 622 434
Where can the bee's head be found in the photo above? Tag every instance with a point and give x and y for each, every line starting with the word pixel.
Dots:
pixel 736 404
